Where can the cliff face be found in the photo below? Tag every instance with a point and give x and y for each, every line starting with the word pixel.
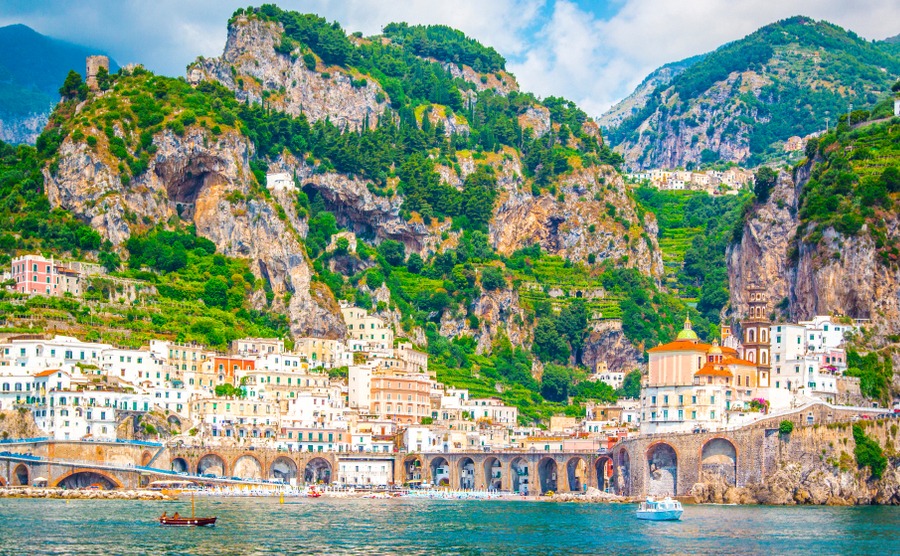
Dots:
pixel 840 274
pixel 250 66
pixel 17 128
pixel 715 121
pixel 607 344
pixel 195 176
pixel 592 215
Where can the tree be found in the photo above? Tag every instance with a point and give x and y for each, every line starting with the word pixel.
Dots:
pixel 896 87
pixel 555 383
pixel 868 453
pixel 73 86
pixel 393 252
pixel 414 263
pixel 110 260
pixel 548 344
pixel 215 292
pixel 765 181
pixel 631 386
pixel 492 278
pixel 890 178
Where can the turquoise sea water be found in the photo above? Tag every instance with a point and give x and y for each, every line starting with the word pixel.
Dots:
pixel 333 526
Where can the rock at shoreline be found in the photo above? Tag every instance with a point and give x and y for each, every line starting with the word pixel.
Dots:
pixel 590 495
pixel 60 494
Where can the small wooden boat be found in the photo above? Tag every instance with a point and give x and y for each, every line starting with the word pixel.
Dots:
pixel 193 521
pixel 313 493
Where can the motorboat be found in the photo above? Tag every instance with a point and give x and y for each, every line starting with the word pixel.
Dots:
pixel 666 509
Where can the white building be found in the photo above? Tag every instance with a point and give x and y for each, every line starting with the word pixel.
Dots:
pixel 363 471
pixel 280 182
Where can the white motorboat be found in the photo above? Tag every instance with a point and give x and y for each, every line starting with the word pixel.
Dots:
pixel 660 510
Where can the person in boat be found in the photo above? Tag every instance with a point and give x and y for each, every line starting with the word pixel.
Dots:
pixel 163 516
pixel 176 516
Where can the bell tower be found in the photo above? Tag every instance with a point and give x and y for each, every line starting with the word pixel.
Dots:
pixel 756 332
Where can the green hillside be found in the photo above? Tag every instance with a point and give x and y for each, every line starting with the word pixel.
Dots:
pixel 783 80
pixel 191 292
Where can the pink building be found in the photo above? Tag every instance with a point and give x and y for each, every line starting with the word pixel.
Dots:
pixel 36 274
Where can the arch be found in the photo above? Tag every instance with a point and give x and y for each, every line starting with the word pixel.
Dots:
pixel 317 470
pixel 662 470
pixel 284 468
pixel 604 470
pixel 493 473
pixel 412 470
pixel 174 421
pixel 180 465
pixel 211 464
pixel 145 458
pixel 576 474
pixel 81 478
pixel 518 472
pixel 440 471
pixel 247 467
pixel 21 475
pixel 466 473
pixel 718 461
pixel 547 475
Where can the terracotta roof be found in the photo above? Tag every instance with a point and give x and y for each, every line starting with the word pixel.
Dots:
pixel 728 350
pixel 681 345
pixel 711 370
pixel 48 372
pixel 736 361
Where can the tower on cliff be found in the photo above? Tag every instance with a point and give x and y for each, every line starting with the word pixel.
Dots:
pixel 94 63
pixel 756 332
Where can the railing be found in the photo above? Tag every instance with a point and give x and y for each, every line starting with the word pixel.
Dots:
pixel 25 440
pixel 140 442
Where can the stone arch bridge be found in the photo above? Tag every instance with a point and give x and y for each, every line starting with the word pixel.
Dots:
pixel 639 466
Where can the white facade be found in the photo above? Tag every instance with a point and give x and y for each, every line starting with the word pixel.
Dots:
pixel 366 471
pixel 280 182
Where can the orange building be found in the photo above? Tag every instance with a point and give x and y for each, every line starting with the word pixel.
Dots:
pixel 227 367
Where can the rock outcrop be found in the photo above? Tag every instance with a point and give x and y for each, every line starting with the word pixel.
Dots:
pixel 591 215
pixel 22 128
pixel 250 66
pixel 18 424
pixel 607 344
pixel 206 181
pixel 838 275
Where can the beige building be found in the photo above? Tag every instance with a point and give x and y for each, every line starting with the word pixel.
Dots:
pixel 367 328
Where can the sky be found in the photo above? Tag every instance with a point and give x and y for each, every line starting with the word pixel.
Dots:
pixel 592 52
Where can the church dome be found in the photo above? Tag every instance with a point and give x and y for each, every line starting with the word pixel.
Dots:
pixel 715 349
pixel 687 334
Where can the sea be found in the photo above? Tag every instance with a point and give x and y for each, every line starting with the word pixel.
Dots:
pixel 412 527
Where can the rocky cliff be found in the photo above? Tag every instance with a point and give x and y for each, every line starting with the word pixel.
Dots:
pixel 17 128
pixel 592 215
pixel 816 465
pixel 839 274
pixel 251 66
pixel 206 181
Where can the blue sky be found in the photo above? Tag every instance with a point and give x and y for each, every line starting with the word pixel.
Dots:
pixel 593 52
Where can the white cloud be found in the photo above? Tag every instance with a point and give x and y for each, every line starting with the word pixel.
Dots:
pixel 598 61
pixel 555 47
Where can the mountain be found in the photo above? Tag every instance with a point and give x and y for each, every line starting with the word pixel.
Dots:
pixel 489 226
pixel 32 67
pixel 743 100
pixel 824 237
pixel 639 98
